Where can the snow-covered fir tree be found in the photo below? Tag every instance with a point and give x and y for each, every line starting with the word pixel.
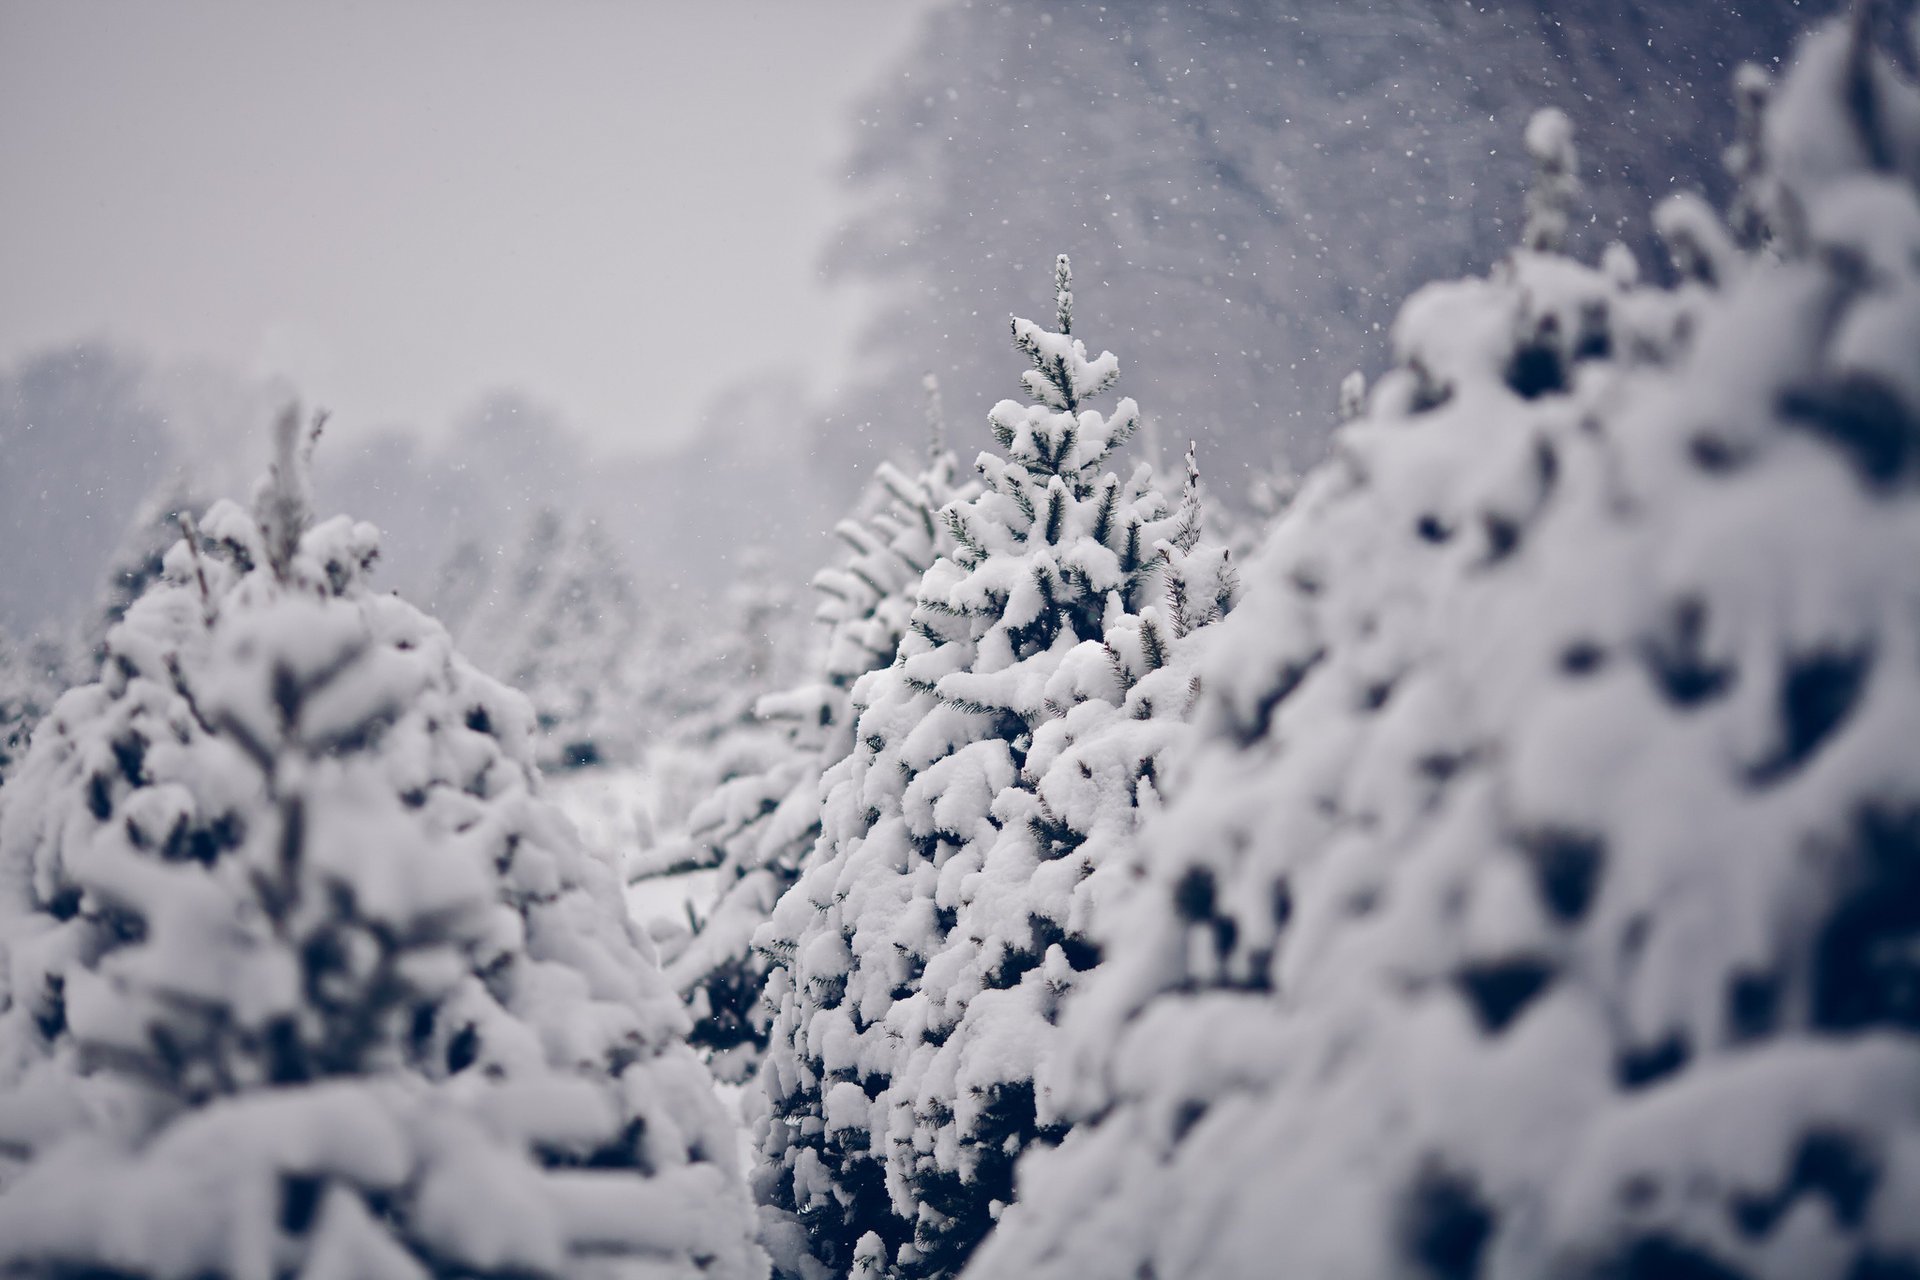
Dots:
pixel 997 765
pixel 571 658
pixel 34 672
pixel 31 676
pixel 752 644
pixel 703 675
pixel 757 828
pixel 302 976
pixel 1544 899
pixel 555 616
pixel 138 561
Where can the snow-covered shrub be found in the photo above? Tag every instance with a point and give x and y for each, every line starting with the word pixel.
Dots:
pixel 556 620
pixel 757 828
pixel 997 763
pixel 301 976
pixel 1544 899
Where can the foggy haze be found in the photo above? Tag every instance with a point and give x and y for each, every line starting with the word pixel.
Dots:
pixel 580 257
pixel 400 207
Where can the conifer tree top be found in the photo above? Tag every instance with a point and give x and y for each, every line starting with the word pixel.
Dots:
pixel 1056 435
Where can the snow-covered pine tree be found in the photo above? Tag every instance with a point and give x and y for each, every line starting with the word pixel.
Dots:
pixel 705 675
pixel 1545 897
pixel 462 586
pixel 573 655
pixel 31 674
pixel 943 914
pixel 301 975
pixel 35 672
pixel 750 648
pixel 757 828
pixel 137 563
pixel 555 620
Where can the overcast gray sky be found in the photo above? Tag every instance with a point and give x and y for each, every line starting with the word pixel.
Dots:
pixel 617 207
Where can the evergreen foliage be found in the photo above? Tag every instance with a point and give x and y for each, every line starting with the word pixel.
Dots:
pixel 302 977
pixel 996 765
pixel 34 672
pixel 757 828
pixel 1522 881
pixel 755 643
pixel 1543 896
pixel 709 763
pixel 557 620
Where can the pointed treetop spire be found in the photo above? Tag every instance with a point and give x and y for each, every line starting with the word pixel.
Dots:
pixel 1063 294
pixel 1200 581
pixel 936 418
pixel 283 505
pixel 1746 159
pixel 1003 736
pixel 1062 379
pixel 1555 185
pixel 1188 536
pixel 209 611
